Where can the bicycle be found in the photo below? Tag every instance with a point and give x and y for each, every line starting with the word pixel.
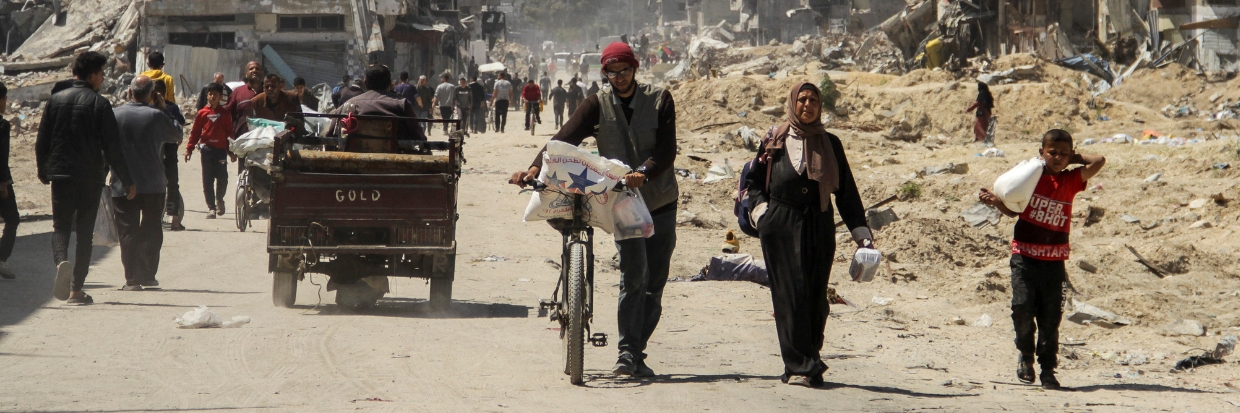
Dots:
pixel 247 198
pixel 575 308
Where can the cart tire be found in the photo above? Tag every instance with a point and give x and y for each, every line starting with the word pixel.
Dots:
pixel 574 338
pixel 441 294
pixel 284 288
pixel 242 208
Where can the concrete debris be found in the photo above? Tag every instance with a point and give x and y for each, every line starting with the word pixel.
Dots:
pixel 951 168
pixel 1200 224
pixel 981 215
pixel 1184 327
pixel 1154 177
pixel 1084 313
pixel 877 219
pixel 1087 266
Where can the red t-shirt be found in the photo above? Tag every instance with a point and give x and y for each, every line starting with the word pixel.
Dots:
pixel 531 92
pixel 212 126
pixel 1042 231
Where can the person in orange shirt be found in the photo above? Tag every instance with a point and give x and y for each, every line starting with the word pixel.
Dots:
pixel 212 127
pixel 155 61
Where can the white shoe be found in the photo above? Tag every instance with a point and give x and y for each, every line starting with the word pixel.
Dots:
pixel 64 281
pixel 5 272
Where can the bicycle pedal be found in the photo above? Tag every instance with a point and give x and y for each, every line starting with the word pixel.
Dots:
pixel 598 340
pixel 547 303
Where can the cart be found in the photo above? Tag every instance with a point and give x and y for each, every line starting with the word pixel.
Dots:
pixel 362 207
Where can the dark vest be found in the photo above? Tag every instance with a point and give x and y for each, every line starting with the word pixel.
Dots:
pixel 633 142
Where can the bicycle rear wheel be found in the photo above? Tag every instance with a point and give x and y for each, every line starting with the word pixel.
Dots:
pixel 574 313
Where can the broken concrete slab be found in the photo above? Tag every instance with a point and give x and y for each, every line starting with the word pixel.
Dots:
pixel 1184 327
pixel 981 215
pixel 88 23
pixel 952 168
pixel 1087 266
pixel 1084 313
pixel 877 219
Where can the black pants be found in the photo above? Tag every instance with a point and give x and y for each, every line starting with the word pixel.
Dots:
pixel 1037 308
pixel 531 112
pixel 501 114
pixel 74 205
pixel 138 224
pixel 214 176
pixel 466 119
pixel 445 113
pixel 558 110
pixel 175 204
pixel 8 211
pixel 799 244
pixel 644 265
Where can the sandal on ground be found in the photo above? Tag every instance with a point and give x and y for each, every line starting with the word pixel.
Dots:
pixel 85 299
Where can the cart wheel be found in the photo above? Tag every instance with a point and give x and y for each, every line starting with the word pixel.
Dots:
pixel 242 208
pixel 441 294
pixel 283 288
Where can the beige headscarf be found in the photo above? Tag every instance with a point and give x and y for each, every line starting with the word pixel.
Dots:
pixel 819 156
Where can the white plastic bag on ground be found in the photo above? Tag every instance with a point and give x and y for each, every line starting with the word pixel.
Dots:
pixel 202 317
pixel 568 169
pixel 631 217
pixel 1015 187
pixel 105 225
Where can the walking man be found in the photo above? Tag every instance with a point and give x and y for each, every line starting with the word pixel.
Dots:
pixel 78 136
pixel 544 85
pixel 444 94
pixel 558 96
pixel 478 112
pixel 175 206
pixel 575 96
pixel 8 200
pixel 464 101
pixel 644 262
pixel 202 95
pixel 500 99
pixel 210 133
pixel 145 128
pixel 423 103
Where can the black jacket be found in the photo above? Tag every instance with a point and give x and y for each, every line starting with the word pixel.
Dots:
pixel 78 138
pixel 6 177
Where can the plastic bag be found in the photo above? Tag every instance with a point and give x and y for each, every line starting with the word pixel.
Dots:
pixel 569 170
pixel 202 317
pixel 865 264
pixel 105 224
pixel 1015 187
pixel 631 217
pixel 734 267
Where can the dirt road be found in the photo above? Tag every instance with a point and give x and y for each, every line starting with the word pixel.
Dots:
pixel 714 350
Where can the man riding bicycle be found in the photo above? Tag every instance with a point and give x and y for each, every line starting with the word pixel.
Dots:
pixel 532 96
pixel 637 125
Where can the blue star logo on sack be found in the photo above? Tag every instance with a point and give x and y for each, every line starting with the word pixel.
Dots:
pixel 554 182
pixel 581 181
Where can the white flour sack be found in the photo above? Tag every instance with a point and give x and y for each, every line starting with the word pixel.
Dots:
pixel 568 169
pixel 1015 187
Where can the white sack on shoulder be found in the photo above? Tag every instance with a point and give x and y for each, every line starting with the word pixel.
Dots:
pixel 1015 187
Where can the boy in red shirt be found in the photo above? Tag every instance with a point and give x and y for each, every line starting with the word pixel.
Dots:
pixel 212 127
pixel 1039 249
pixel 532 95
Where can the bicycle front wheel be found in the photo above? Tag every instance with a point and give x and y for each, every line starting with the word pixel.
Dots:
pixel 574 313
pixel 242 208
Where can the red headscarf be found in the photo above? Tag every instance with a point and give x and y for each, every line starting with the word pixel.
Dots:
pixel 619 52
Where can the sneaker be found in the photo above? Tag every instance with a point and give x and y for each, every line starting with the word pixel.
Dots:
pixel 85 299
pixel 799 380
pixel 643 370
pixel 5 272
pixel 64 281
pixel 150 285
pixel 731 245
pixel 624 366
pixel 128 287
pixel 220 210
pixel 1048 380
pixel 211 214
pixel 1024 370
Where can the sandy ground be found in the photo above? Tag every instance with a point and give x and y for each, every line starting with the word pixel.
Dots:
pixel 715 348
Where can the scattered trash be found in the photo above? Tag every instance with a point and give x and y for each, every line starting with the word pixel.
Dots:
pixel 981 215
pixel 983 321
pixel 731 244
pixel 1089 141
pixel 1195 362
pixel 1154 177
pixel 490 258
pixel 1183 327
pixel 877 219
pixel 719 172
pixel 1225 346
pixel 1161 273
pixel 1087 266
pixel 1129 219
pixel 1200 224
pixel 202 317
pixel 1132 359
pixel 953 168
pixel 734 267
pixel 1221 166
pixel 684 217
pixel 1084 313
pixel 1118 138
pixel 993 153
pixel 881 300
pixel 957 321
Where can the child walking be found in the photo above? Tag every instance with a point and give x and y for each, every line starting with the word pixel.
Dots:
pixel 1039 249
pixel 212 127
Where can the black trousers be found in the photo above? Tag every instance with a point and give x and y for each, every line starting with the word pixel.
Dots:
pixel 74 205
pixel 558 110
pixel 501 114
pixel 175 204
pixel 8 211
pixel 531 114
pixel 798 243
pixel 644 266
pixel 445 113
pixel 138 224
pixel 1037 308
pixel 214 176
